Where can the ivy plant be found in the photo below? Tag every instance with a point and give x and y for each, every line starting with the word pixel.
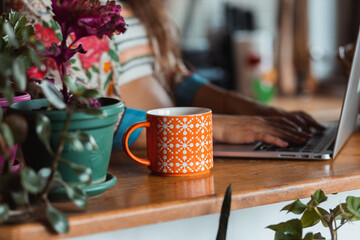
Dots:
pixel 24 193
pixel 312 214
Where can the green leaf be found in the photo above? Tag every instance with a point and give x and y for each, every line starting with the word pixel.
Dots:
pixel 80 140
pixel 43 130
pixel 296 207
pixel 319 197
pixel 31 181
pixel 10 35
pixel 7 134
pixel 90 93
pixel 57 219
pixel 76 69
pixel 225 214
pixel 83 173
pixel 19 74
pixel 353 205
pixel 52 94
pixel 290 230
pixel 4 212
pixel 311 236
pixel 311 218
pixel 13 17
pixel 20 198
pixel 113 55
pixel 72 61
pixel 318 236
pixel 76 195
pixel 20 23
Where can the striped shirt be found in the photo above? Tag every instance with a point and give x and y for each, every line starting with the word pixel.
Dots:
pixel 135 53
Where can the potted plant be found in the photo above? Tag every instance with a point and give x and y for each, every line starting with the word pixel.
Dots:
pixel 77 109
pixel 59 149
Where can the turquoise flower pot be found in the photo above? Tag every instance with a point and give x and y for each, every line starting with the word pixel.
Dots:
pixel 36 155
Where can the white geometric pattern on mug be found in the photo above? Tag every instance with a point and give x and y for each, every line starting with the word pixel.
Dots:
pixel 165 126
pixel 166 164
pixel 165 145
pixel 211 158
pixel 202 124
pixel 185 144
pixel 185 164
pixel 185 126
pixel 201 163
pixel 202 143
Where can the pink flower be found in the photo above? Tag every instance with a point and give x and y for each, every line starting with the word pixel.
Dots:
pixel 94 47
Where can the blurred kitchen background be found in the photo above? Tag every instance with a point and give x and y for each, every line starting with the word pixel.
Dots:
pixel 267 47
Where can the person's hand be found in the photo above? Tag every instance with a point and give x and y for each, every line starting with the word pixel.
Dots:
pixel 248 129
pixel 301 119
pixel 240 105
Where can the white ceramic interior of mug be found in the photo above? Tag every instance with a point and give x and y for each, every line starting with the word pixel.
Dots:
pixel 178 111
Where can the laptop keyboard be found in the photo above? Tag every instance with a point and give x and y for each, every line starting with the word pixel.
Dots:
pixel 314 145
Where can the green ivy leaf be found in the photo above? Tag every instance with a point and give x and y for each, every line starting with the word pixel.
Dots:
pixel 4 212
pixel 19 72
pixel 353 205
pixel 311 218
pixel 319 197
pixel 43 130
pixel 311 236
pixel 224 216
pixel 296 207
pixel 20 198
pixel 57 219
pixel 290 230
pixel 53 95
pixel 90 93
pixel 84 174
pixel 13 17
pixel 80 140
pixel 76 195
pixel 31 181
pixel 10 35
pixel 20 23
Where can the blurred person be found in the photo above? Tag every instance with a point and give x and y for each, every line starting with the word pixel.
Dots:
pixel 144 68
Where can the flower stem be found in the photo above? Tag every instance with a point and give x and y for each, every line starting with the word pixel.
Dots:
pixel 59 150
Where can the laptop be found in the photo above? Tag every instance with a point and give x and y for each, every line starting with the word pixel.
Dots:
pixel 323 146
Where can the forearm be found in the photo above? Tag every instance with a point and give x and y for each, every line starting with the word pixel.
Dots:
pixel 227 102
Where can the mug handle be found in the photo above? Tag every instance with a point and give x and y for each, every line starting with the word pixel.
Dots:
pixel 125 142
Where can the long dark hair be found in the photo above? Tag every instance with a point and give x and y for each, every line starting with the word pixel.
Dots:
pixel 162 31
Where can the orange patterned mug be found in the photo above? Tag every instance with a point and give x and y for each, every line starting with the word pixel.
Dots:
pixel 179 141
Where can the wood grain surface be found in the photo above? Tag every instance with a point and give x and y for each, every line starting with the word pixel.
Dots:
pixel 140 198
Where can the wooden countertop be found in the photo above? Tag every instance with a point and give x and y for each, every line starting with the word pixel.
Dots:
pixel 140 198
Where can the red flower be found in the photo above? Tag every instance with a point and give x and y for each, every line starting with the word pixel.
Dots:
pixel 94 47
pixel 35 73
pixel 46 35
